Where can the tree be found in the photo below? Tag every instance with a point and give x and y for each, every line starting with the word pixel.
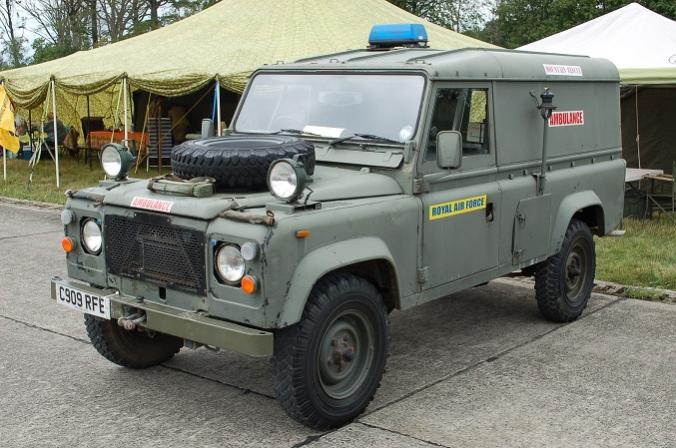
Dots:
pixel 519 22
pixel 62 26
pixel 180 9
pixel 459 15
pixel 12 42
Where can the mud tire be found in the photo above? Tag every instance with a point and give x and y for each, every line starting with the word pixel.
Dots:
pixel 563 282
pixel 299 354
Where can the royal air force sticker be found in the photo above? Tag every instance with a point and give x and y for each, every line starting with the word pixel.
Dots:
pixel 457 207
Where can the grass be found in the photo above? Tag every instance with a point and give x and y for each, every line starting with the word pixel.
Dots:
pixel 634 292
pixel 644 257
pixel 43 187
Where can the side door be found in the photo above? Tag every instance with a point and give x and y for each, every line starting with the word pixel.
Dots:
pixel 460 222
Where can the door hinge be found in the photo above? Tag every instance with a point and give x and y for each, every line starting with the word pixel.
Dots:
pixel 417 186
pixel 422 275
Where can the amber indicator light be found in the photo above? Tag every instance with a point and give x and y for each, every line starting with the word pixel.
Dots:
pixel 304 233
pixel 68 244
pixel 249 284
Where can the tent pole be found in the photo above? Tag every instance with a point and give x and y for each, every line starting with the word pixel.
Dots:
pixel 126 106
pixel 638 136
pixel 4 156
pixel 218 106
pixel 88 157
pixel 213 104
pixel 30 129
pixel 56 134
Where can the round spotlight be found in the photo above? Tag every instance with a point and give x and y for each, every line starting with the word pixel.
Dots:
pixel 286 179
pixel 116 160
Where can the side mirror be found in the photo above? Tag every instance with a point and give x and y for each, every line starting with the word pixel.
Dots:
pixel 449 149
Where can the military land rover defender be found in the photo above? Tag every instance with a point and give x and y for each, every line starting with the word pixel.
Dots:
pixel 347 186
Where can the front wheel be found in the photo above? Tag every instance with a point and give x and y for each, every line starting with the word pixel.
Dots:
pixel 328 367
pixel 563 282
pixel 133 349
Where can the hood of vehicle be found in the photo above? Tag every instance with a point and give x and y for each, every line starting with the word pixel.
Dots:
pixel 327 184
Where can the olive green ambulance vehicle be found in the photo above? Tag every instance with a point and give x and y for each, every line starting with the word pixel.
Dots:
pixel 347 186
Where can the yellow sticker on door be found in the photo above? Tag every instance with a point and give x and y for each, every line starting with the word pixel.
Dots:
pixel 457 207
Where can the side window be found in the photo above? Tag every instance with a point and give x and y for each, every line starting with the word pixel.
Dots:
pixel 474 129
pixel 444 116
pixel 464 110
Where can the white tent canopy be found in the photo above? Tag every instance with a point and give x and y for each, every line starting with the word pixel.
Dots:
pixel 641 43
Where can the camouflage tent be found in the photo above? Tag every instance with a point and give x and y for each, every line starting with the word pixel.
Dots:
pixel 225 43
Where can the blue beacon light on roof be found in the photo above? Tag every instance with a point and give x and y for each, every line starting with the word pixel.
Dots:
pixel 398 35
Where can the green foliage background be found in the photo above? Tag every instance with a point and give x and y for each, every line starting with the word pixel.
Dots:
pixel 519 22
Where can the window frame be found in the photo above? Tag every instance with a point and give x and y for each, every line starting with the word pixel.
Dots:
pixel 469 162
pixel 421 107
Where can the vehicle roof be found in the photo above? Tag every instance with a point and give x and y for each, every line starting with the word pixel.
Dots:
pixel 466 63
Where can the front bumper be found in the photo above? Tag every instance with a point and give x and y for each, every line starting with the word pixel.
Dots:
pixel 182 323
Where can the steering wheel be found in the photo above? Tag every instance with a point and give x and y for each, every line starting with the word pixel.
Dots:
pixel 286 122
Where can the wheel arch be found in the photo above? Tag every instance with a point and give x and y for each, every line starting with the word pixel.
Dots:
pixel 585 206
pixel 367 257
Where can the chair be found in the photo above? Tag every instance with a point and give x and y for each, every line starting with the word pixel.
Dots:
pixel 665 195
pixel 90 124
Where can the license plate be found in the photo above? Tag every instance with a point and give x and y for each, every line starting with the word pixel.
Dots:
pixel 84 301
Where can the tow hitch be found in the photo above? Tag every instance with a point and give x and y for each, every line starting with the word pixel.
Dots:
pixel 131 321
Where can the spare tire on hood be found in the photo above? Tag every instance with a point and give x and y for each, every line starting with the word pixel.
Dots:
pixel 238 161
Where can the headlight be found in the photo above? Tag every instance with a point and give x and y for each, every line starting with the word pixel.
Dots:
pixel 230 263
pixel 116 160
pixel 286 179
pixel 91 237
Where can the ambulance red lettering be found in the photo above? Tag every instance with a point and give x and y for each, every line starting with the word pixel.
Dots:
pixel 152 204
pixel 567 118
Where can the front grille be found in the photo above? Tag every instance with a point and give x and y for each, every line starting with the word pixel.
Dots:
pixel 148 247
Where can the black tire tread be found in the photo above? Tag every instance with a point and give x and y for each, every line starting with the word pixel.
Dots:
pixel 104 336
pixel 289 387
pixel 548 288
pixel 233 167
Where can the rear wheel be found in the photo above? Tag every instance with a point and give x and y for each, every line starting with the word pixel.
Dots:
pixel 135 349
pixel 563 282
pixel 328 367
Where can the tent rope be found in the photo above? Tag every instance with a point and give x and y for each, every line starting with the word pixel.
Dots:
pixel 195 104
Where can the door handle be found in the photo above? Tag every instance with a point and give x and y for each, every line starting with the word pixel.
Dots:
pixel 490 212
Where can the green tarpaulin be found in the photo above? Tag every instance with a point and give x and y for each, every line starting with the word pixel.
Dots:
pixel 226 42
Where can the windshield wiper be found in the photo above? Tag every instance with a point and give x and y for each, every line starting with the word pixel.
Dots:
pixel 296 131
pixel 364 136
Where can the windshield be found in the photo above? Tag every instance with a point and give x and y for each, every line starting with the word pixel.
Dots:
pixel 333 105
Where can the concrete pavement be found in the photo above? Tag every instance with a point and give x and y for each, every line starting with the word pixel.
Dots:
pixel 480 368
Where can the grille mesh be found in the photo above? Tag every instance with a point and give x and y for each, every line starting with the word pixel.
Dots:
pixel 148 247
